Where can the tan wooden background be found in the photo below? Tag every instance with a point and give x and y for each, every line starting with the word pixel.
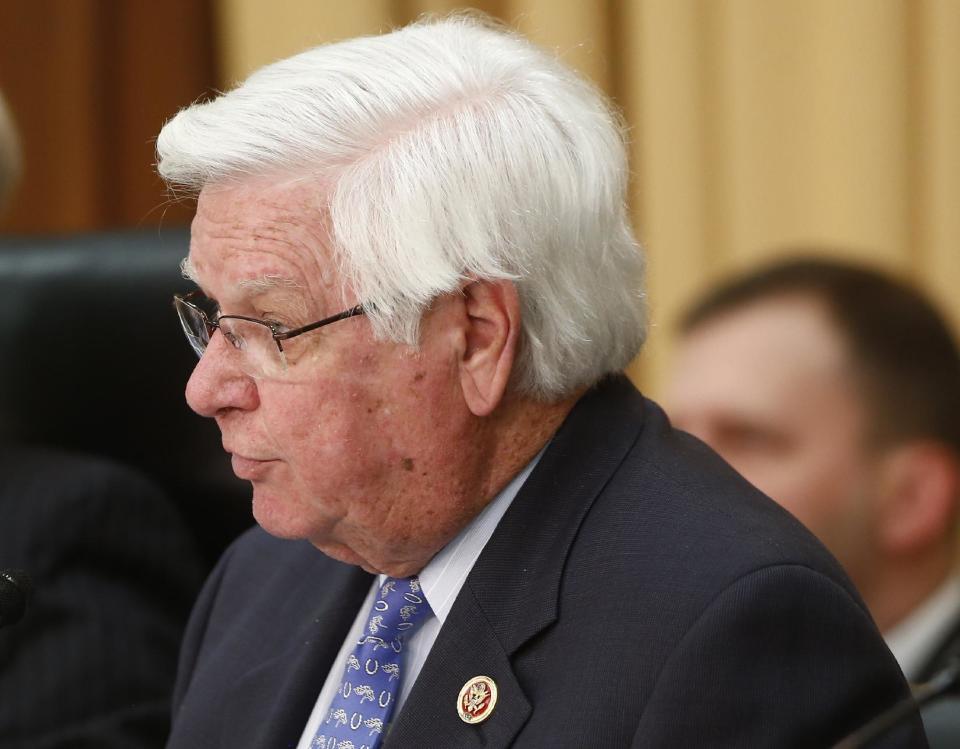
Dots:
pixel 755 124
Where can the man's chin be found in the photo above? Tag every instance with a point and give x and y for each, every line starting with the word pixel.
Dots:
pixel 277 517
pixel 283 518
pixel 343 554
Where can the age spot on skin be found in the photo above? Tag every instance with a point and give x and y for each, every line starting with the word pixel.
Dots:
pixel 407 464
pixel 419 376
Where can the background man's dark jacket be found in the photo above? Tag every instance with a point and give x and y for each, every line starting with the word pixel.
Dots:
pixel 637 593
pixel 92 663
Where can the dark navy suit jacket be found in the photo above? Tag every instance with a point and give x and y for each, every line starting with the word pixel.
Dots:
pixel 92 663
pixel 638 593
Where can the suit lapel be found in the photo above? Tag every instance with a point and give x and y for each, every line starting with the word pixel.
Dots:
pixel 465 648
pixel 512 593
pixel 270 705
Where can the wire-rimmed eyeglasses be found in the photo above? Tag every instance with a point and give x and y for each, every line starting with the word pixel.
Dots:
pixel 260 340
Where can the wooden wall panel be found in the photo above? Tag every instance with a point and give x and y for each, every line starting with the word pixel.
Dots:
pixel 754 125
pixel 90 82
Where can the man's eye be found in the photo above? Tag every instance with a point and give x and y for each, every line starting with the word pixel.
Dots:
pixel 275 325
pixel 235 340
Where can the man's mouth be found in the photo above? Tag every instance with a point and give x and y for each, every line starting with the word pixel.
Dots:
pixel 250 469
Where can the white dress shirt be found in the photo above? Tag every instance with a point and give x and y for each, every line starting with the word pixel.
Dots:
pixel 912 641
pixel 440 581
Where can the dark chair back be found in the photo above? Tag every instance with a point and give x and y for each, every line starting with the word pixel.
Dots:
pixel 92 360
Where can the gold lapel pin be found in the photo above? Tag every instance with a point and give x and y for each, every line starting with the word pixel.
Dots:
pixel 477 699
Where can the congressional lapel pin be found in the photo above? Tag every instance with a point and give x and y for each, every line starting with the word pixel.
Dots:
pixel 477 699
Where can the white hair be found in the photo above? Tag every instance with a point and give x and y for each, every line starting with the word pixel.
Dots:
pixel 448 151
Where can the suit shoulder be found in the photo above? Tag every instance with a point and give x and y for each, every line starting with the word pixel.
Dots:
pixel 261 565
pixel 49 475
pixel 255 548
pixel 57 503
pixel 675 504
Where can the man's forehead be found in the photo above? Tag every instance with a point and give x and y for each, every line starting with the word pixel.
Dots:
pixel 256 196
pixel 260 237
pixel 786 330
pixel 763 361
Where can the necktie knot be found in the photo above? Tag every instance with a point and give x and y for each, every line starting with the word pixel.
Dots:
pixel 399 609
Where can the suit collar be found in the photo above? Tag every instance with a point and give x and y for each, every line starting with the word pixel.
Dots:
pixel 512 594
pixel 443 578
pixel 546 515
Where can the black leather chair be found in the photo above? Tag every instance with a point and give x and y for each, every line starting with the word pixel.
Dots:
pixel 92 360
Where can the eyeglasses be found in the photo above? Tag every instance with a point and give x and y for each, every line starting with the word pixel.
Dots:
pixel 260 341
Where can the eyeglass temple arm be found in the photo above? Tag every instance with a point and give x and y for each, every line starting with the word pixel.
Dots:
pixel 352 312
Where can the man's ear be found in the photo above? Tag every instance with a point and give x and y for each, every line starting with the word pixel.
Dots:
pixel 920 483
pixel 491 331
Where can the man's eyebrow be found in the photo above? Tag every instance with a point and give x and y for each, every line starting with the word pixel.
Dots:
pixel 258 284
pixel 287 296
pixel 268 282
pixel 187 271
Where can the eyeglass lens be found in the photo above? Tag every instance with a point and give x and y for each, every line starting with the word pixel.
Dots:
pixel 260 355
pixel 194 326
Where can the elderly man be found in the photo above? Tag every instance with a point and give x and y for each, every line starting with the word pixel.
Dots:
pixel 836 390
pixel 417 285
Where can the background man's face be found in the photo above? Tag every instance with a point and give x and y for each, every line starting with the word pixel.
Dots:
pixel 767 386
pixel 349 449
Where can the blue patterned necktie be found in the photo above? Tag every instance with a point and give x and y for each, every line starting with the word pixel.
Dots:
pixel 362 708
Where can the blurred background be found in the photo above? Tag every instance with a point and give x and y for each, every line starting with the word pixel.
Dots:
pixel 754 125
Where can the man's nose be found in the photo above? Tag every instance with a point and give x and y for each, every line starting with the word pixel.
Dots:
pixel 217 382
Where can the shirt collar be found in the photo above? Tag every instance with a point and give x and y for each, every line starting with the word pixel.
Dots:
pixel 914 639
pixel 444 575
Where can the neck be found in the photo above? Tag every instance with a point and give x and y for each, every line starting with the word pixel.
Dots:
pixel 493 451
pixel 904 584
pixel 525 427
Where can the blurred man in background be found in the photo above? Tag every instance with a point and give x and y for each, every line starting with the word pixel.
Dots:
pixel 836 390
pixel 92 662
